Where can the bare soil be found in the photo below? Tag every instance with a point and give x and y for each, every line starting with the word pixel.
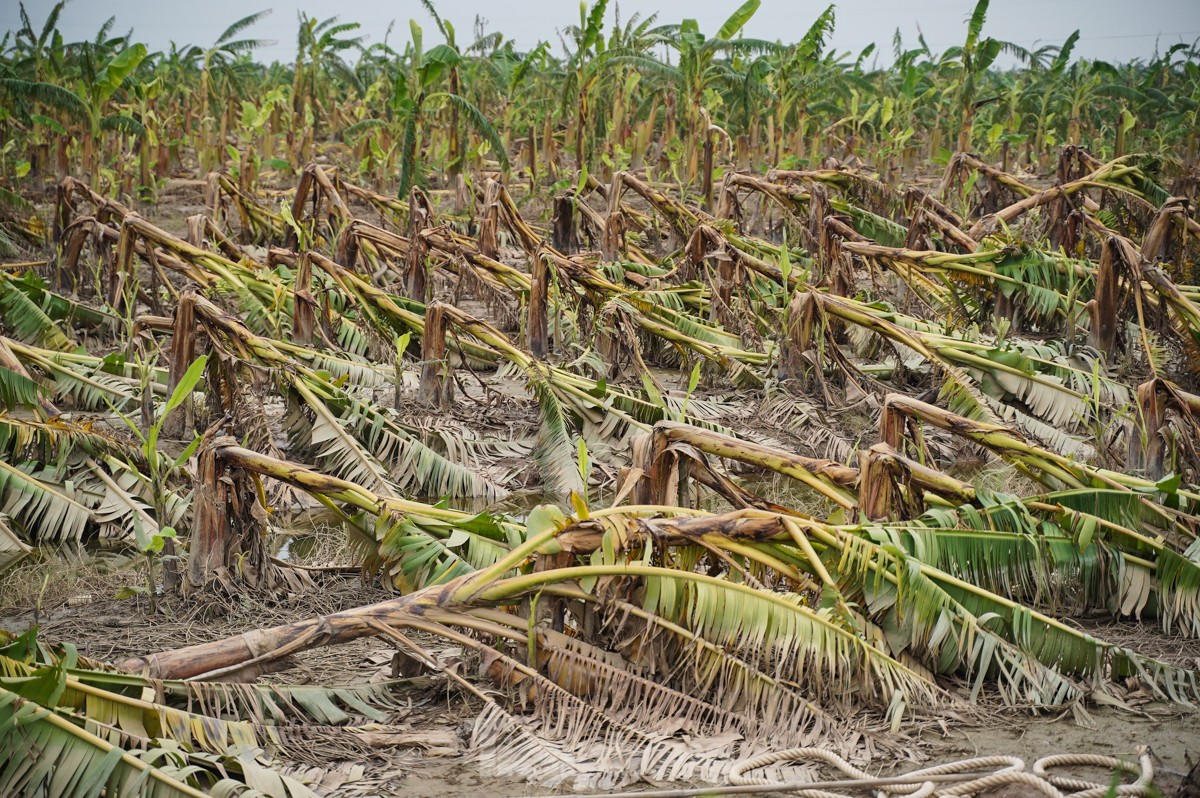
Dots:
pixel 422 749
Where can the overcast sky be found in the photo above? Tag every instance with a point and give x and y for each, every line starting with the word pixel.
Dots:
pixel 1110 29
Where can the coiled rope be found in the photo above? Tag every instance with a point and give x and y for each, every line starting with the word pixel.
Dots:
pixel 1087 789
pixel 965 777
pixel 1006 770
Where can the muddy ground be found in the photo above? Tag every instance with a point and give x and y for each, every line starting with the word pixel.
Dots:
pixel 422 749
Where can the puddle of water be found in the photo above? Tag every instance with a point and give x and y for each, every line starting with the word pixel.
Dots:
pixel 95 557
pixel 286 547
pixel 103 556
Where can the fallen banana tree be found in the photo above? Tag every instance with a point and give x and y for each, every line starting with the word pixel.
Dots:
pixel 1118 521
pixel 104 731
pixel 847 611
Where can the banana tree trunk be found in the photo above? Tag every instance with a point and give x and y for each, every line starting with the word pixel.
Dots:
pixel 536 321
pixel 489 222
pixel 965 132
pixel 581 131
pixel 437 377
pixel 828 478
pixel 1148 440
pixel 455 143
pixel 303 304
pixel 228 545
pixel 260 647
pixel 533 156
pixel 89 160
pixel 563 224
pixel 146 181
pixel 707 189
pixel 1102 308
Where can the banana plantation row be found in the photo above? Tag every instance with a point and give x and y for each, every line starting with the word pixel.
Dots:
pixel 885 587
pixel 674 98
pixel 819 450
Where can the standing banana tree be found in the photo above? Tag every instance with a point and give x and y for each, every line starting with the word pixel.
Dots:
pixel 38 56
pixel 699 71
pixel 972 60
pixel 581 73
pixel 416 98
pixel 1044 91
pixel 319 48
pixel 216 63
pixel 37 51
pixel 87 109
pixel 454 142
pixel 802 73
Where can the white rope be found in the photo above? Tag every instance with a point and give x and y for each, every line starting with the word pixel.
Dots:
pixel 1144 767
pixel 970 774
pixel 1005 770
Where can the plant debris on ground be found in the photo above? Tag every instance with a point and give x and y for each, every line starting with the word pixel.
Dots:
pixel 602 419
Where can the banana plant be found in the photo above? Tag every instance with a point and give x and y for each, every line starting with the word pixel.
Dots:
pixel 454 66
pixel 157 537
pixel 87 109
pixel 864 616
pixel 699 70
pixel 97 731
pixel 319 63
pixel 216 63
pixel 971 62
pixel 416 98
